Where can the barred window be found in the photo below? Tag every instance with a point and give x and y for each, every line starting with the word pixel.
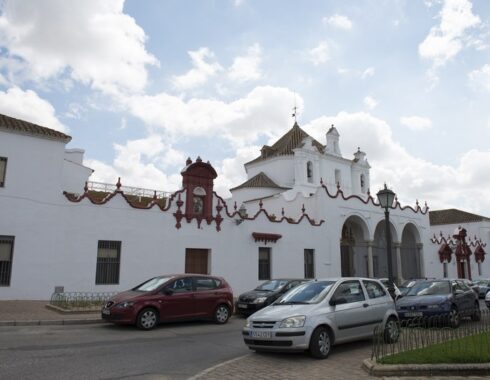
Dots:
pixel 264 263
pixel 3 170
pixel 6 252
pixel 108 262
pixel 309 263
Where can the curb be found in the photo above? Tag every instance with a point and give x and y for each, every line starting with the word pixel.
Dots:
pixel 462 369
pixel 51 322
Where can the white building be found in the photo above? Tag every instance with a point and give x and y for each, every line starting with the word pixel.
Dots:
pixel 305 211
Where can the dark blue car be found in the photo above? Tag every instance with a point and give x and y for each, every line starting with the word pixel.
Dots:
pixel 451 298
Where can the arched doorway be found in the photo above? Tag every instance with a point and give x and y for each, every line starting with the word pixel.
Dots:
pixel 410 253
pixel 353 248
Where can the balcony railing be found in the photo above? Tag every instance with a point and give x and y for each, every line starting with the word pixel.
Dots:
pixel 128 190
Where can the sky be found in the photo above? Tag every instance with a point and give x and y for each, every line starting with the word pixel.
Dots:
pixel 141 85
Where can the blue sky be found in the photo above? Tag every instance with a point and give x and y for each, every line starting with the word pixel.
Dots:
pixel 142 85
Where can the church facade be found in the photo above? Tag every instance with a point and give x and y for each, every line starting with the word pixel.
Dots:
pixel 304 211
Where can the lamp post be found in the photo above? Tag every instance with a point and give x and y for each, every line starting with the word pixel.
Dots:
pixel 386 198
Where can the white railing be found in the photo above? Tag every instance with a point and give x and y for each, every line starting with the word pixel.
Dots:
pixel 128 190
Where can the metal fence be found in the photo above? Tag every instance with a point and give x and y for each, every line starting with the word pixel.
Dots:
pixel 417 333
pixel 80 300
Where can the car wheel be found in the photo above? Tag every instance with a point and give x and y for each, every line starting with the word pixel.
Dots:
pixel 391 331
pixel 320 343
pixel 147 319
pixel 221 314
pixel 454 318
pixel 476 316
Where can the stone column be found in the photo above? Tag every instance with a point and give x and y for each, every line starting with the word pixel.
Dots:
pixel 398 261
pixel 370 244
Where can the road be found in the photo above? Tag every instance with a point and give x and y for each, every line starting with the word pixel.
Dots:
pixel 105 351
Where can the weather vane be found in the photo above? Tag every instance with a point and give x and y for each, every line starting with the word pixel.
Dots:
pixel 294 109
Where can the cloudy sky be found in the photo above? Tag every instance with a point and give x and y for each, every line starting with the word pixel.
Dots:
pixel 143 84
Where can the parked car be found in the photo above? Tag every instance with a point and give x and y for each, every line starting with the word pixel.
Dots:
pixel 264 294
pixel 318 314
pixel 407 284
pixel 483 287
pixel 452 298
pixel 171 298
pixel 487 299
pixel 472 285
pixel 386 282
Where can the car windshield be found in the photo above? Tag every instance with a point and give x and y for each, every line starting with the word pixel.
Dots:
pixel 429 288
pixel 272 285
pixel 310 292
pixel 408 284
pixel 152 284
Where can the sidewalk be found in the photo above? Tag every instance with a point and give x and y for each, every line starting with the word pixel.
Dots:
pixel 27 313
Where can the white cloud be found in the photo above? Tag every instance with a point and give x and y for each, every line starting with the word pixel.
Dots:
pixel 27 105
pixel 480 78
pixel 369 72
pixel 370 102
pixel 91 41
pixel 446 40
pixel 462 186
pixel 203 69
pixel 319 54
pixel 246 68
pixel 264 111
pixel 139 163
pixel 338 21
pixel 416 123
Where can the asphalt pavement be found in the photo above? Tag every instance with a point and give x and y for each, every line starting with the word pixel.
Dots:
pixel 345 361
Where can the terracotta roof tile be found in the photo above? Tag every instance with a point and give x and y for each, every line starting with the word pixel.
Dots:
pixel 260 180
pixel 285 145
pixel 454 216
pixel 24 127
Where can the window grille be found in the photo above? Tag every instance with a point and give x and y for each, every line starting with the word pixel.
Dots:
pixel 108 262
pixel 3 170
pixel 309 263
pixel 6 253
pixel 264 263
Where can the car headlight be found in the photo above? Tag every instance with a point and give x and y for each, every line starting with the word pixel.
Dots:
pixel 260 300
pixel 248 324
pixel 125 304
pixel 297 321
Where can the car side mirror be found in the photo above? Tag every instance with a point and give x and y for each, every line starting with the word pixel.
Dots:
pixel 168 291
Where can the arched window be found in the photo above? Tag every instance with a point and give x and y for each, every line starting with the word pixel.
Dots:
pixel 363 183
pixel 309 171
pixel 338 177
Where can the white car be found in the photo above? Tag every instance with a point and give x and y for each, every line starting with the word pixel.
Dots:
pixel 487 300
pixel 318 314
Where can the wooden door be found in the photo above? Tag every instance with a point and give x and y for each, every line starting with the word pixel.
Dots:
pixel 196 261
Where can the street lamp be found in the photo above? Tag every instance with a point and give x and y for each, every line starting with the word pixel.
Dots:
pixel 386 198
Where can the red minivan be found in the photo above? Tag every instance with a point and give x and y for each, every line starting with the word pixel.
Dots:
pixel 171 298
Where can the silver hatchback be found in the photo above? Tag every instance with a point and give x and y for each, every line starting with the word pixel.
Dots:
pixel 318 314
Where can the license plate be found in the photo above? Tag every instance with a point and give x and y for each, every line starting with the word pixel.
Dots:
pixel 242 306
pixel 261 334
pixel 414 314
pixel 106 312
